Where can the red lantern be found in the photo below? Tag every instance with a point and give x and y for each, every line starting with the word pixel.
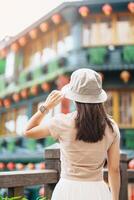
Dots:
pixel 34 90
pixel 24 93
pixel 7 103
pixel 1 103
pixel 31 166
pixel 44 27
pixel 22 41
pixel 15 47
pixel 16 97
pixel 84 11
pixel 46 87
pixel 61 81
pixel 131 164
pixel 56 19
pixel 20 166
pixel 3 53
pixel 107 9
pixel 131 7
pixel 125 76
pixel 33 34
pixel 10 166
pixel 42 165
pixel 2 166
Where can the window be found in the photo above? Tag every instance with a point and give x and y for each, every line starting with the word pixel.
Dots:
pixel 125 101
pixel 105 31
pixel 123 28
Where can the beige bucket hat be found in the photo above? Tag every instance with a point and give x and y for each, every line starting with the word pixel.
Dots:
pixel 85 86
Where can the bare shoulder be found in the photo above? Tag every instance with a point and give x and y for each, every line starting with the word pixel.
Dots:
pixel 115 126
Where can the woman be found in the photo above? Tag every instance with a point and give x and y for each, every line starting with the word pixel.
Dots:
pixel 87 137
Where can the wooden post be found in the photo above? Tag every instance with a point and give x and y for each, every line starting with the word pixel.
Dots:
pixel 16 192
pixel 124 177
pixel 52 160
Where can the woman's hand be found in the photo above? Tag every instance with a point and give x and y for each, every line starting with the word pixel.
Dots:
pixel 53 99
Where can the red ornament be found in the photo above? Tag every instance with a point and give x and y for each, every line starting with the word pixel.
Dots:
pixel 1 103
pixel 33 34
pixel 7 103
pixel 15 47
pixel 45 87
pixel 44 27
pixel 42 165
pixel 84 11
pixel 20 166
pixel 10 166
pixel 34 90
pixel 131 7
pixel 3 53
pixel 61 81
pixel 131 164
pixel 31 166
pixel 16 97
pixel 24 93
pixel 56 19
pixel 125 76
pixel 107 9
pixel 22 41
pixel 2 166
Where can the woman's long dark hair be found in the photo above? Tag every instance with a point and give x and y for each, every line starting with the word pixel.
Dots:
pixel 91 121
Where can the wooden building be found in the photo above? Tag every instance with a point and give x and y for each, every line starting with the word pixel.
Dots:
pixel 93 34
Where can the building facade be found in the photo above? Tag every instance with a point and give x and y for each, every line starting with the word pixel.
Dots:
pixel 93 34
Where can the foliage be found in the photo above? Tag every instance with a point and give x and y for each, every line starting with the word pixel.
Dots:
pixel 128 54
pixel 97 55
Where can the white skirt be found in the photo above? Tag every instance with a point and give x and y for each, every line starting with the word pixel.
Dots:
pixel 81 190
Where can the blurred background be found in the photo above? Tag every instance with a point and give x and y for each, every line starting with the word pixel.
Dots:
pixel 41 44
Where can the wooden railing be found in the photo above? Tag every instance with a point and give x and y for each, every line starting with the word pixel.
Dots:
pixel 16 181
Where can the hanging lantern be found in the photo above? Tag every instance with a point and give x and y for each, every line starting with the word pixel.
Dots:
pixel 24 93
pixel 45 87
pixel 131 7
pixel 42 165
pixel 3 53
pixel 7 103
pixel 1 103
pixel 20 166
pixel 61 81
pixel 84 11
pixel 2 166
pixel 56 19
pixel 22 41
pixel 34 90
pixel 125 76
pixel 44 27
pixel 102 75
pixel 31 166
pixel 10 166
pixel 16 97
pixel 33 34
pixel 107 9
pixel 15 47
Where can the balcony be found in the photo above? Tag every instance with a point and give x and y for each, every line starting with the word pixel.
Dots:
pixel 17 181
